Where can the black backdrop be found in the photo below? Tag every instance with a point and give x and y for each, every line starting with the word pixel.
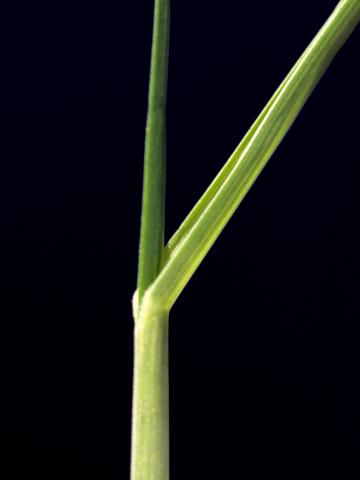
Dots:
pixel 265 339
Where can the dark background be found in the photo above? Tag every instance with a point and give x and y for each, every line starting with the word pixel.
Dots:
pixel 265 339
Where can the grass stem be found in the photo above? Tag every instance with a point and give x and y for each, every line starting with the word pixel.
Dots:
pixel 150 417
pixel 163 273
pixel 150 429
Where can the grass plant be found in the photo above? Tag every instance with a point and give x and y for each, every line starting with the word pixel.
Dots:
pixel 164 270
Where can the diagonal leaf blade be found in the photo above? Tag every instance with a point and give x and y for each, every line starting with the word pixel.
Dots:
pixel 196 235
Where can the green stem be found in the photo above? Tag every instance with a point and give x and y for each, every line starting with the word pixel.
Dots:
pixel 150 418
pixel 150 427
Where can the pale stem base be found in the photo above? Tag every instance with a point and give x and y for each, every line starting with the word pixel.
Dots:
pixel 150 414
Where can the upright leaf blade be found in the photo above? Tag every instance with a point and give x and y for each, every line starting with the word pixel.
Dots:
pixel 153 200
